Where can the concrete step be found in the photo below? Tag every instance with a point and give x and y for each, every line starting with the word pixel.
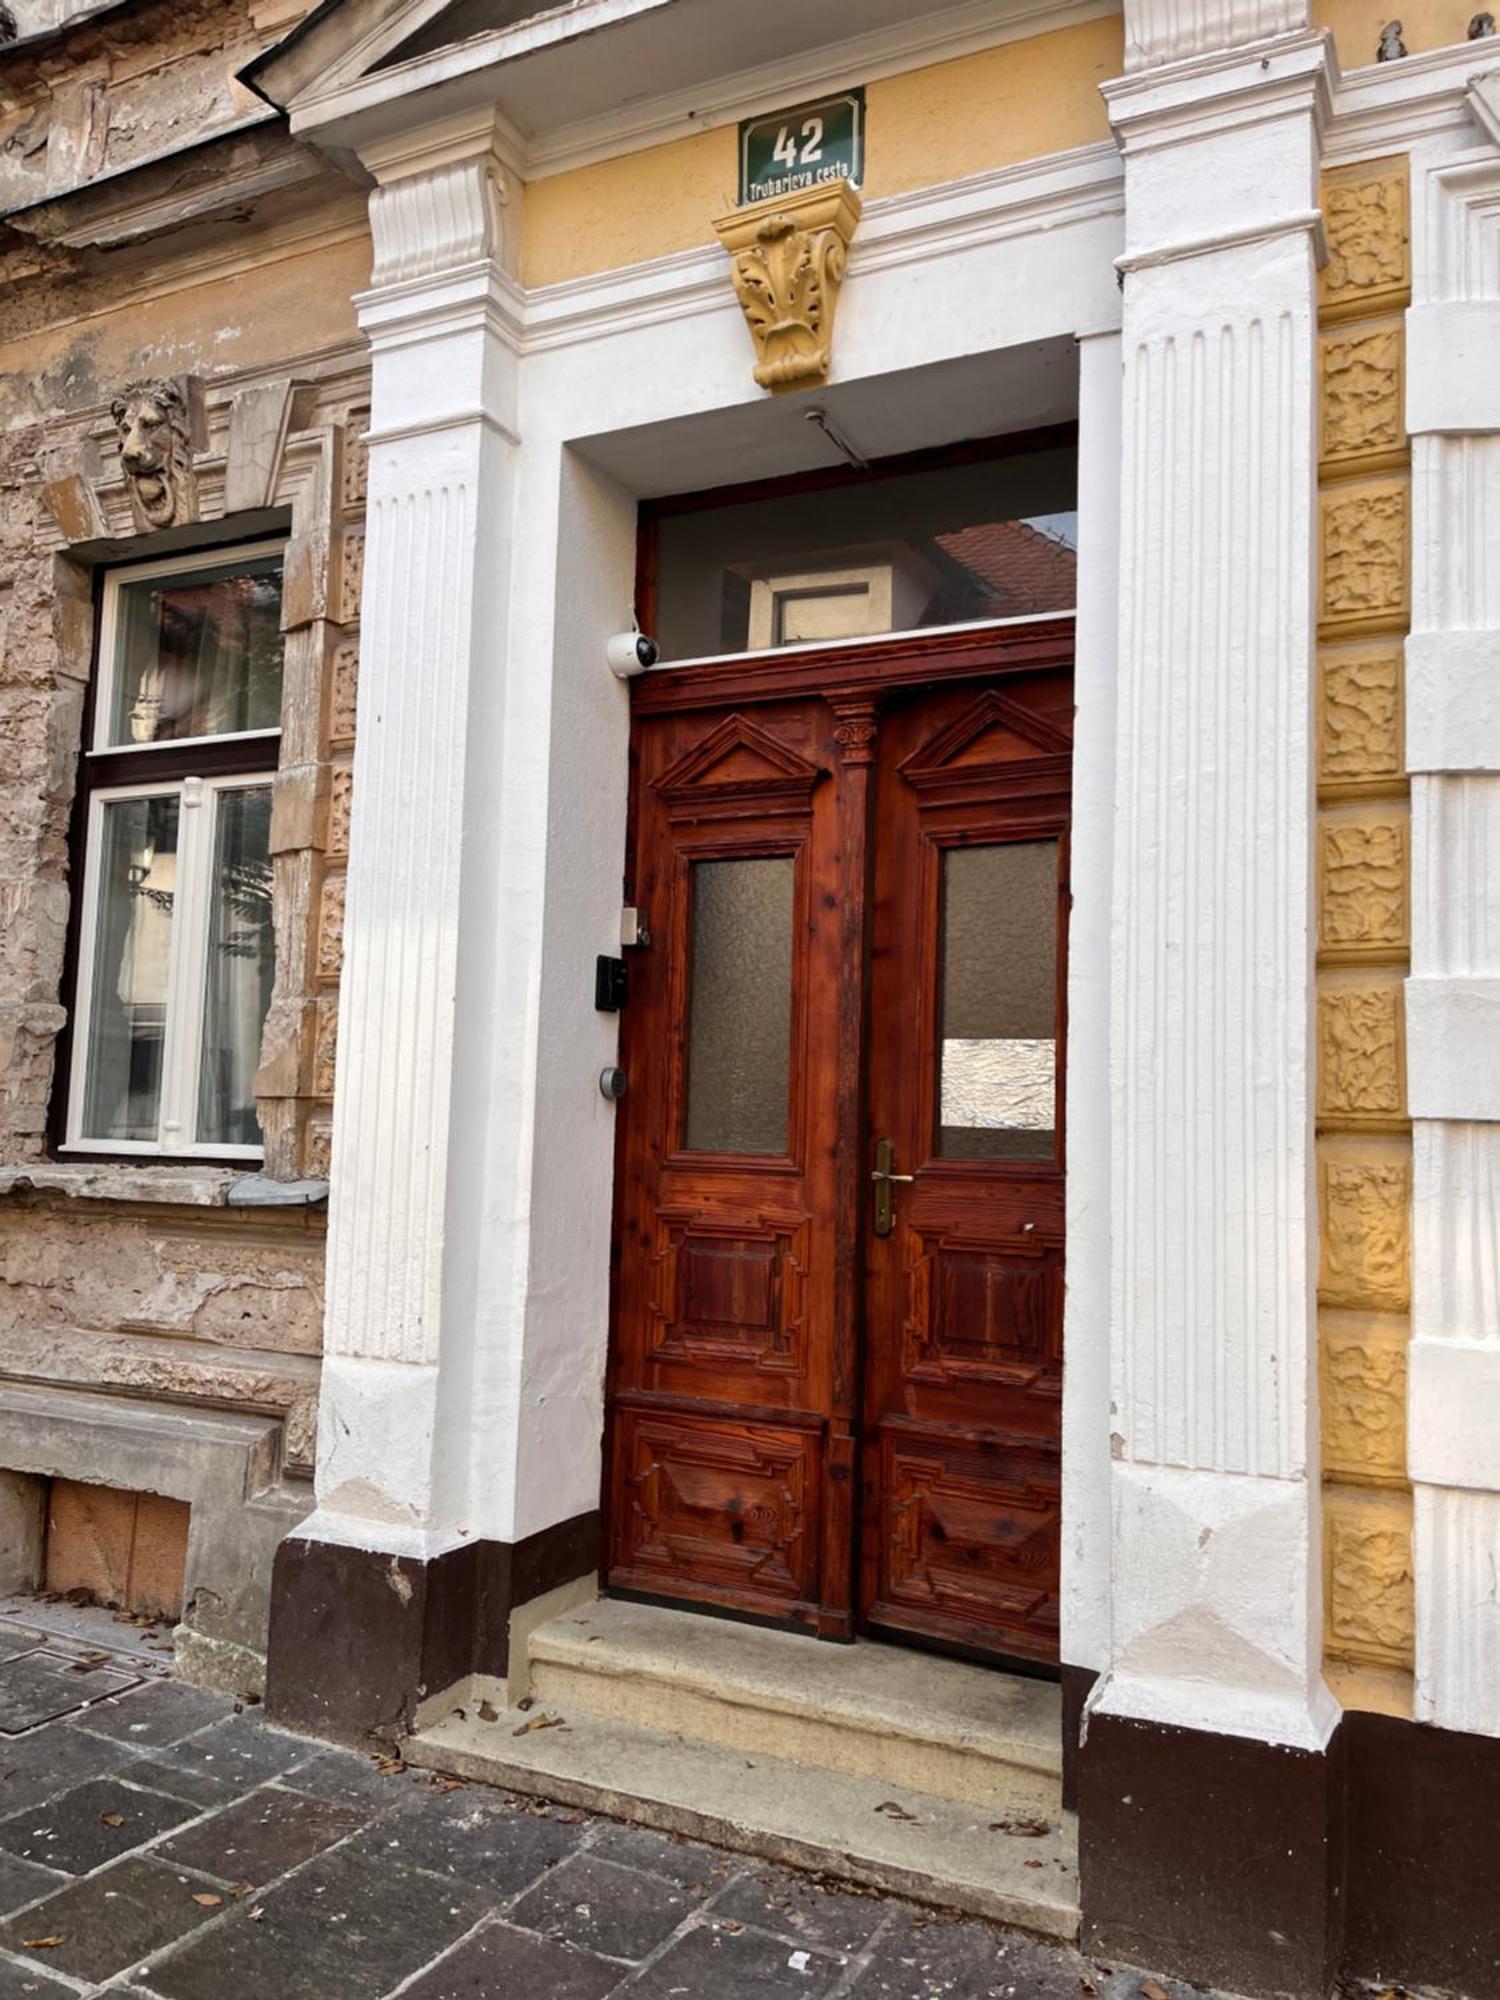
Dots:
pixel 967 1733
pixel 856 1829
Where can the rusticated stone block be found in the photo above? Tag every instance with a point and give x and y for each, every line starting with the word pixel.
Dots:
pixel 1365 1239
pixel 351 577
pixel 331 928
pixel 1365 544
pixel 1368 1581
pixel 327 1044
pixel 1366 211
pixel 1362 393
pixel 1362 886
pixel 345 686
pixel 340 800
pixel 356 462
pixel 1361 1076
pixel 1359 718
pixel 1362 1382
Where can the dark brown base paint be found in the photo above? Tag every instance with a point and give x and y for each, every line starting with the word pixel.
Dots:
pixel 1275 1872
pixel 359 1638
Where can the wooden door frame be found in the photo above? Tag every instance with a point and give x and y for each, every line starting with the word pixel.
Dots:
pixel 853 678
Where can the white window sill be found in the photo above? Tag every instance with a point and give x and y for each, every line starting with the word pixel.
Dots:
pixel 184 1186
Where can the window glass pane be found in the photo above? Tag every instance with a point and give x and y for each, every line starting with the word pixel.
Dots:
pixel 996 539
pixel 132 949
pixel 199 654
pixel 998 1064
pixel 740 1006
pixel 237 989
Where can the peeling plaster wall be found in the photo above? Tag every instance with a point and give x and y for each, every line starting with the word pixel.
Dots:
pixel 150 1337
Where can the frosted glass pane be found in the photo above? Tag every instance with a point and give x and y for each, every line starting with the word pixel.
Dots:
pixel 740 1006
pixel 132 953
pixel 237 989
pixel 998 1060
pixel 199 655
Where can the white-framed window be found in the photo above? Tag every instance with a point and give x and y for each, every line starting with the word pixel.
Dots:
pixel 174 958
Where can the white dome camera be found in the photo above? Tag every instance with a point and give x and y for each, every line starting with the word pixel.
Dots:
pixel 631 653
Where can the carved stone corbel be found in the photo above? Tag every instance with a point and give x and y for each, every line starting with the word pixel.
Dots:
pixel 160 424
pixel 789 257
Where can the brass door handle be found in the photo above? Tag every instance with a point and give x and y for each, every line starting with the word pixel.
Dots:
pixel 884 1179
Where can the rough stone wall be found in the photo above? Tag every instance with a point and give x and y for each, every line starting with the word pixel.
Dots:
pixel 1364 1133
pixel 129 1287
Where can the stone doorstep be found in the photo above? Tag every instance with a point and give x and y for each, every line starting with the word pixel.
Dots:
pixel 851 1828
pixel 951 1729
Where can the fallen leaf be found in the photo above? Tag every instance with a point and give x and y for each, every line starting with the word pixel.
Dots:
pixel 892 1811
pixel 538 1722
pixel 1087 1988
pixel 1151 1991
pixel 526 1703
pixel 113 1819
pixel 256 1916
pixel 1022 1829
pixel 1033 1864
pixel 42 1944
pixel 207 1900
pixel 240 1888
pixel 488 1712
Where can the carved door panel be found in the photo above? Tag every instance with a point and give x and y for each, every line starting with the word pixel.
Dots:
pixel 963 1332
pixel 731 1424
pixel 855 911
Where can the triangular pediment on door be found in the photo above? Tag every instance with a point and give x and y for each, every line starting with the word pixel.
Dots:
pixel 998 731
pixel 737 767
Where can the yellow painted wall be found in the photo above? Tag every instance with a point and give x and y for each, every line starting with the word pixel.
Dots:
pixel 1425 24
pixel 1016 102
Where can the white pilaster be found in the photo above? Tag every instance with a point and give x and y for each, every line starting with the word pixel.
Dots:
pixel 392 1457
pixel 1215 1565
pixel 1085 1624
pixel 1453 995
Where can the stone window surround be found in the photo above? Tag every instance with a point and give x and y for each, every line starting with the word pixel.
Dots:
pixel 277 454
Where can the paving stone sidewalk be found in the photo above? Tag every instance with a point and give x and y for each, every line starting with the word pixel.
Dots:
pixel 161 1842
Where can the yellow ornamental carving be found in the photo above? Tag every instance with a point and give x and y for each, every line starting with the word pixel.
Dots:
pixel 1370 1579
pixel 1362 393
pixel 1364 555
pixel 1359 1053
pixel 1359 738
pixel 1365 220
pixel 789 257
pixel 1362 876
pixel 1362 1384
pixel 1366 1233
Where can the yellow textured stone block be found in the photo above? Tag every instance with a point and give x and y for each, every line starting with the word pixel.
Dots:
pixel 1362 1385
pixel 1366 211
pixel 1362 395
pixel 1362 884
pixel 1364 548
pixel 1359 719
pixel 1368 1576
pixel 331 928
pixel 1361 1053
pixel 1364 1202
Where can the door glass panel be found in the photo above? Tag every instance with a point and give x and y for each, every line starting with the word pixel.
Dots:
pixel 998 1055
pixel 132 954
pixel 740 1006
pixel 237 985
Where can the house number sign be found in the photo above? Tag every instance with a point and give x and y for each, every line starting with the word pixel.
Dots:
pixel 803 147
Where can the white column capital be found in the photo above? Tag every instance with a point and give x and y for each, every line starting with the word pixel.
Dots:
pixel 1167 31
pixel 439 202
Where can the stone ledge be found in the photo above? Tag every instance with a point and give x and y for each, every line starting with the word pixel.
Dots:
pixel 184 1186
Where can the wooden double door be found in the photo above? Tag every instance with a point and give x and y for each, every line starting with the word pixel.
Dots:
pixel 836 1369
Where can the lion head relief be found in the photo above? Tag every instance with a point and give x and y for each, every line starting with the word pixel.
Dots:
pixel 156 453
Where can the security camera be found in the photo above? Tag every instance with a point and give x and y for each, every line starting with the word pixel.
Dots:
pixel 631 653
